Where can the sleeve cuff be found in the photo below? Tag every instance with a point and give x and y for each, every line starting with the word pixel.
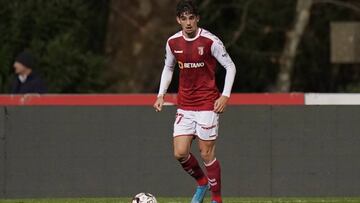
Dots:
pixel 225 94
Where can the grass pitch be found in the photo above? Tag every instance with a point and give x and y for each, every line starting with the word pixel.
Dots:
pixel 187 200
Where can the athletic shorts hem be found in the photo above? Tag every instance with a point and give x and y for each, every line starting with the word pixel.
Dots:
pixel 196 136
pixel 185 135
pixel 210 139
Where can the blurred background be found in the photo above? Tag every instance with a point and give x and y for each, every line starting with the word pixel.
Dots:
pixel 117 46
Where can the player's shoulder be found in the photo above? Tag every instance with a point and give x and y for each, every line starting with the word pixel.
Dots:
pixel 207 34
pixel 175 36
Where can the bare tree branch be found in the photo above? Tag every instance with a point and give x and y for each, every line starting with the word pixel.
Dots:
pixel 238 32
pixel 141 28
pixel 261 53
pixel 287 60
pixel 339 3
pixel 131 21
pixel 133 41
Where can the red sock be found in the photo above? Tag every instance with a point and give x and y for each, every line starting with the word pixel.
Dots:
pixel 191 166
pixel 214 175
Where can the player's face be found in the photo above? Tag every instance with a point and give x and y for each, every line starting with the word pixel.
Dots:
pixel 189 24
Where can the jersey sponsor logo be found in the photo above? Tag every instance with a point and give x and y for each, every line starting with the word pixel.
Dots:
pixel 181 65
pixel 178 51
pixel 201 51
pixel 191 65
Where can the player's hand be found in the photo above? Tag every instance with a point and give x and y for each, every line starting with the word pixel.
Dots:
pixel 159 103
pixel 220 104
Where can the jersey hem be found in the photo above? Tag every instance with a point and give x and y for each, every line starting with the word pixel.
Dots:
pixel 196 108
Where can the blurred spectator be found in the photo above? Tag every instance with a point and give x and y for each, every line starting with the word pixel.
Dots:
pixel 26 80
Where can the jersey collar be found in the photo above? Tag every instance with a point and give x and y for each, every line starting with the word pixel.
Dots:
pixel 192 39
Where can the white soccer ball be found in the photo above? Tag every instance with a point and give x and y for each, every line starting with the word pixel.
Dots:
pixel 144 198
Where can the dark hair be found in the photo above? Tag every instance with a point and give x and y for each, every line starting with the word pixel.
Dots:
pixel 186 6
pixel 27 59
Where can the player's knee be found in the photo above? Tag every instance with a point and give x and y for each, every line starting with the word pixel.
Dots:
pixel 207 155
pixel 181 155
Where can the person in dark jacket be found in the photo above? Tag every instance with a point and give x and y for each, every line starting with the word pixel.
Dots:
pixel 26 80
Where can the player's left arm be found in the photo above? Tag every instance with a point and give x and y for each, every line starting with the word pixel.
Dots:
pixel 218 50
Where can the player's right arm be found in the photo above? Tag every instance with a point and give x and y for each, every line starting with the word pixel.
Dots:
pixel 166 77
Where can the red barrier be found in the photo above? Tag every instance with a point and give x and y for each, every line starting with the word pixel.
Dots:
pixel 139 99
pixel 267 99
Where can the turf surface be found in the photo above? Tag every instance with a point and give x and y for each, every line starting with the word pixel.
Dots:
pixel 186 200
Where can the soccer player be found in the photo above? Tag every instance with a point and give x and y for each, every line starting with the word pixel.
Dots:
pixel 196 52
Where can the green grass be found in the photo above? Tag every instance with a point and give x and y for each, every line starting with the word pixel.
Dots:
pixel 187 200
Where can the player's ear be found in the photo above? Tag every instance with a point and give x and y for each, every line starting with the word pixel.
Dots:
pixel 178 19
pixel 197 18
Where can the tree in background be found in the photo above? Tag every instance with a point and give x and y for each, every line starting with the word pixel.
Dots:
pixel 253 31
pixel 65 36
pixel 118 45
pixel 135 46
pixel 313 70
pixel 296 35
pixel 287 59
pixel 137 31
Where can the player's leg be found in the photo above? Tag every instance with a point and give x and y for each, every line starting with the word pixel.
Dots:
pixel 207 150
pixel 182 145
pixel 184 131
pixel 207 131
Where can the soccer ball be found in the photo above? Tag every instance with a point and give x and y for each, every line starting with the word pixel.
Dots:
pixel 144 198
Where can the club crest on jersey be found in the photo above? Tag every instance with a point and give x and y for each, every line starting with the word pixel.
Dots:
pixel 201 51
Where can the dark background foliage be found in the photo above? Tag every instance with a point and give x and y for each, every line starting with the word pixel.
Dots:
pixel 65 36
pixel 71 40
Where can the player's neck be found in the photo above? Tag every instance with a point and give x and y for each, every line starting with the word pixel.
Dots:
pixel 191 35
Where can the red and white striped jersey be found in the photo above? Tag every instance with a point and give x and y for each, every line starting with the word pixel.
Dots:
pixel 197 58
